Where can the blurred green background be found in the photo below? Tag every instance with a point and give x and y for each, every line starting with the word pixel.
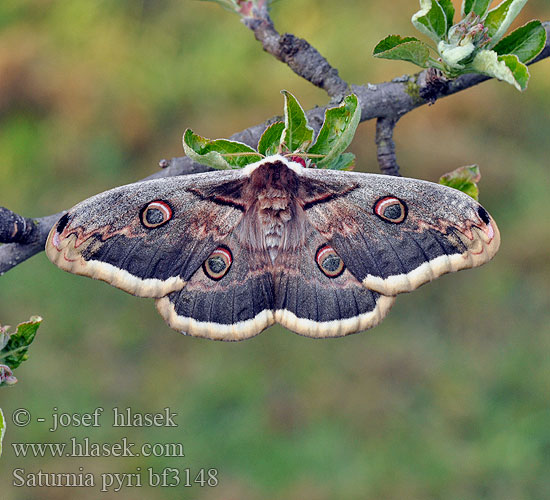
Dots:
pixel 448 398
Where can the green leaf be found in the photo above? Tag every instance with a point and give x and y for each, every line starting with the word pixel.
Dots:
pixel 507 68
pixel 405 49
pixel 517 68
pixel 2 429
pixel 337 131
pixel 15 350
pixel 297 135
pixel 218 153
pixel 271 139
pixel 453 54
pixel 449 10
pixel 345 161
pixel 479 7
pixel 464 179
pixel 431 20
pixel 498 20
pixel 526 42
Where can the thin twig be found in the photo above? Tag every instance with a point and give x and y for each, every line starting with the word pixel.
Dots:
pixel 297 53
pixel 386 147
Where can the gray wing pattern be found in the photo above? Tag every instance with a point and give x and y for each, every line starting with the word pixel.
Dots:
pixel 104 237
pixel 443 230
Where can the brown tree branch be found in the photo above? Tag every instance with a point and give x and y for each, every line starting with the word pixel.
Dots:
pixel 30 243
pixel 297 53
pixel 387 101
pixel 13 227
pixel 385 145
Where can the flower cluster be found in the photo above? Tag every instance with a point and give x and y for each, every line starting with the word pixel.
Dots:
pixel 476 44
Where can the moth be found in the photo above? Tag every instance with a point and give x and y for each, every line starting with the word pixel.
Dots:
pixel 228 253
